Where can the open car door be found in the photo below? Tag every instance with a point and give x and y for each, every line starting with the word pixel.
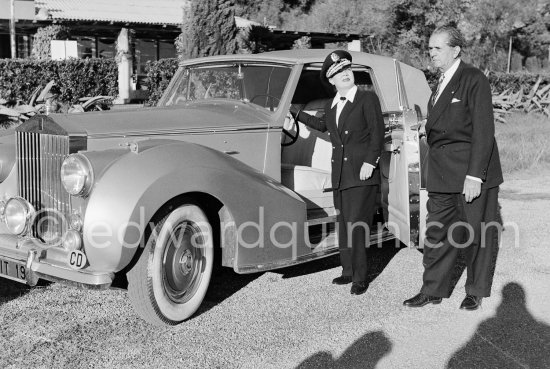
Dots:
pixel 403 198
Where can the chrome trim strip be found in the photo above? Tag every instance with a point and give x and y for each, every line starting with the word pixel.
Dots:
pixel 402 96
pixel 190 131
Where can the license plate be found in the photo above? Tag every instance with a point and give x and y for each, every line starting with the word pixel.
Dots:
pixel 13 270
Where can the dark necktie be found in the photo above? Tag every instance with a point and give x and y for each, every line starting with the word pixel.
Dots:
pixel 434 97
pixel 342 98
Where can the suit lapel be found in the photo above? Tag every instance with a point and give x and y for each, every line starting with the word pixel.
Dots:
pixel 444 99
pixel 331 122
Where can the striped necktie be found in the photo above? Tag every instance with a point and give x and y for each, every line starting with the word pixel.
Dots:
pixel 434 97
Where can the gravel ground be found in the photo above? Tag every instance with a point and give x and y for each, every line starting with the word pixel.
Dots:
pixel 296 318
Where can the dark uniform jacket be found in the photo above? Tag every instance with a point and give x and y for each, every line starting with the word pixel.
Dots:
pixel 460 131
pixel 358 138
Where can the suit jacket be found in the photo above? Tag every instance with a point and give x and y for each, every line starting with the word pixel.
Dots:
pixel 358 138
pixel 461 134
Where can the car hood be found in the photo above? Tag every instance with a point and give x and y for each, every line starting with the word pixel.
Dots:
pixel 206 115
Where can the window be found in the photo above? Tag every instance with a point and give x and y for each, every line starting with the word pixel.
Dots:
pixel 145 50
pixel 166 49
pixel 86 47
pixel 106 47
pixel 258 84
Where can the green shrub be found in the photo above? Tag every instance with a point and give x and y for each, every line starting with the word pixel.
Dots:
pixel 501 81
pixel 515 81
pixel 159 74
pixel 74 78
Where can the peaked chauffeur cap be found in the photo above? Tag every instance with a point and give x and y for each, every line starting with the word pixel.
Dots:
pixel 334 63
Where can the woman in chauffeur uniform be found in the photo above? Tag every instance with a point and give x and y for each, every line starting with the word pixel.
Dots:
pixel 355 126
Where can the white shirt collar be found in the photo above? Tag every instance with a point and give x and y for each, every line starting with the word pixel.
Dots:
pixel 451 71
pixel 350 95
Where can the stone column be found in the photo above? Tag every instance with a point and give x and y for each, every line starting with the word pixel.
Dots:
pixel 124 60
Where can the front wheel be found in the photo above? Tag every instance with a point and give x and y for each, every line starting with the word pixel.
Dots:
pixel 169 281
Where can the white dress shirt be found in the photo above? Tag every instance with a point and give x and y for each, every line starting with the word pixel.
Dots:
pixel 350 95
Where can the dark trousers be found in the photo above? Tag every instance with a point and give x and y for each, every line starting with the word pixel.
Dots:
pixel 454 224
pixel 356 207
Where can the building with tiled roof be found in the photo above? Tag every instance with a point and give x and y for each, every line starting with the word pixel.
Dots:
pixel 96 25
pixel 159 12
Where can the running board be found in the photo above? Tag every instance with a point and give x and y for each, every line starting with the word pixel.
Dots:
pixel 328 247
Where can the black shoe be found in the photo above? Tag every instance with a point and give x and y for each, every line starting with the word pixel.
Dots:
pixel 422 300
pixel 471 302
pixel 342 280
pixel 358 288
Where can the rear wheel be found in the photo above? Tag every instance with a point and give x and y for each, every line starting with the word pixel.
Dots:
pixel 169 281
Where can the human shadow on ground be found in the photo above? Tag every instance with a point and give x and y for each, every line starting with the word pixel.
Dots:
pixel 364 353
pixel 510 339
pixel 378 257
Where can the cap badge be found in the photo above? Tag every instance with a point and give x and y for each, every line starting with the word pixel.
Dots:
pixel 334 57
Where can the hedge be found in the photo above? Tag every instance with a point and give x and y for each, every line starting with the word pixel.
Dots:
pixel 74 78
pixel 159 74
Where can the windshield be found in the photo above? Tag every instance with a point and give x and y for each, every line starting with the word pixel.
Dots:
pixel 258 84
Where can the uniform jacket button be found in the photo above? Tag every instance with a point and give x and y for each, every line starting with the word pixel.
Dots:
pixel 346 132
pixel 345 159
pixel 342 145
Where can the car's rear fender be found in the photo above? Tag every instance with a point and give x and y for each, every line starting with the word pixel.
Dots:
pixel 129 192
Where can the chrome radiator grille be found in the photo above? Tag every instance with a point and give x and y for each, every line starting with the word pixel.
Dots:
pixel 39 159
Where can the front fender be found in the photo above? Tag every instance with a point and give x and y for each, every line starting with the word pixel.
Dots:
pixel 132 189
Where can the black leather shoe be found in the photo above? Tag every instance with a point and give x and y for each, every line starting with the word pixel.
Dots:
pixel 358 288
pixel 422 300
pixel 471 302
pixel 342 280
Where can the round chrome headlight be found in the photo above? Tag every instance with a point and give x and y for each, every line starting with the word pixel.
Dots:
pixel 77 175
pixel 17 215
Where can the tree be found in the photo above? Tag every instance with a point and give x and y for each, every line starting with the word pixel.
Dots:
pixel 413 21
pixel 208 29
pixel 531 34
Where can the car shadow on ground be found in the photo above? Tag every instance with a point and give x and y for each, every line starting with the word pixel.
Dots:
pixel 225 282
pixel 364 353
pixel 10 290
pixel 510 339
pixel 378 257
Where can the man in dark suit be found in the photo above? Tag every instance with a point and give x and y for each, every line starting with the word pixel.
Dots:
pixel 463 177
pixel 355 125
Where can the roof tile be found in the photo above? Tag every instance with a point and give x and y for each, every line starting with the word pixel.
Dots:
pixel 131 11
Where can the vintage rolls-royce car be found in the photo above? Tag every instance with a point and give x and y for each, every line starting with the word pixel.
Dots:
pixel 207 177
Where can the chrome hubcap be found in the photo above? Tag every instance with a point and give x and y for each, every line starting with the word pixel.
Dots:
pixel 186 262
pixel 182 262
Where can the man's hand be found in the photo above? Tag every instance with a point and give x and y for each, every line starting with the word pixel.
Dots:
pixel 472 189
pixel 366 171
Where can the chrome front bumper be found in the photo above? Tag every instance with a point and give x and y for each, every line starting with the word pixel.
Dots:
pixel 49 263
